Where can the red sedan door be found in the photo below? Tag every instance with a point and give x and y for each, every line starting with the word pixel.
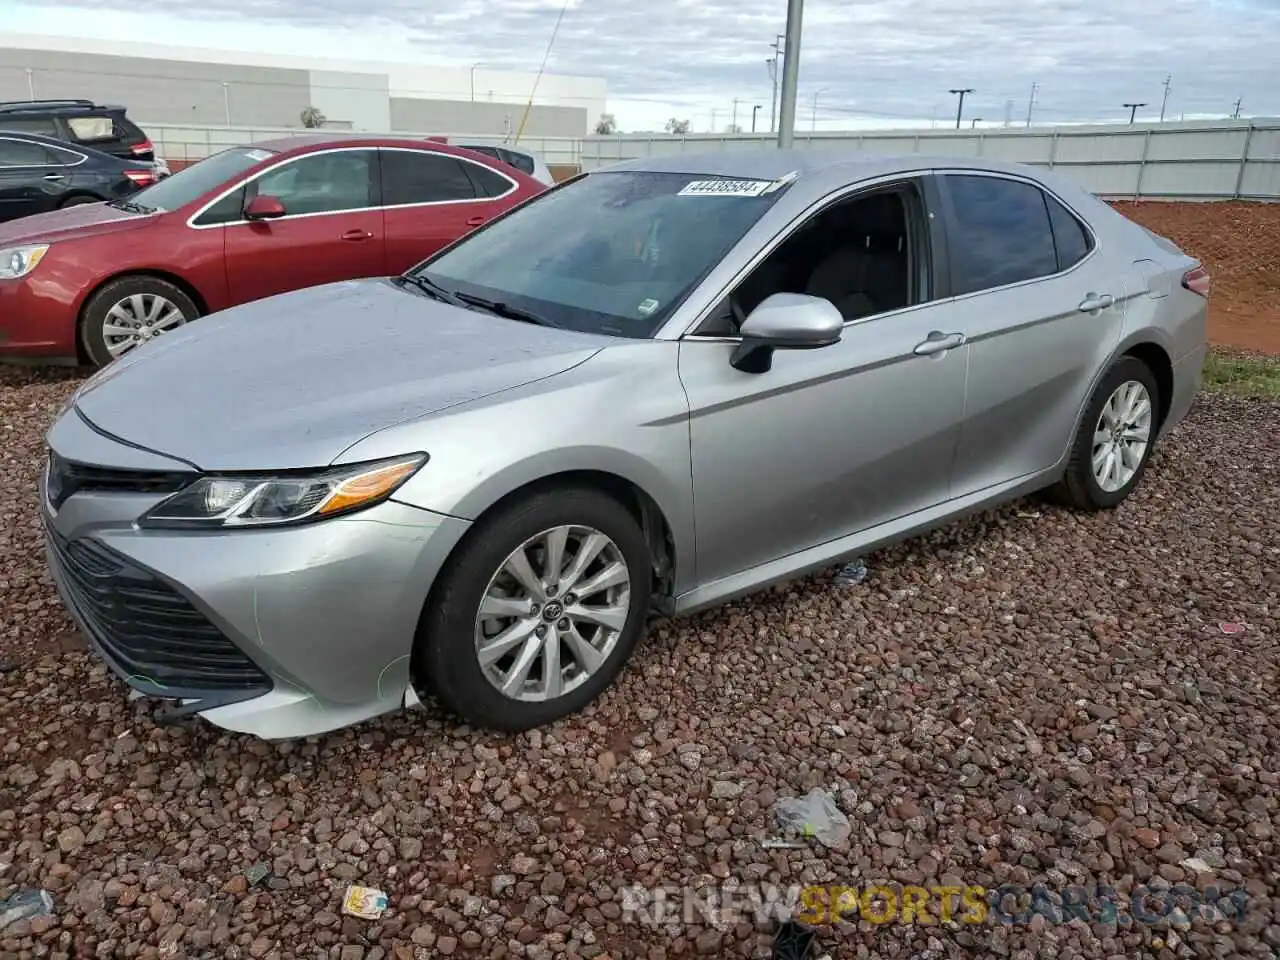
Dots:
pixel 431 199
pixel 332 227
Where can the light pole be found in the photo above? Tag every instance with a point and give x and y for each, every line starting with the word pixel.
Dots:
pixel 790 74
pixel 31 83
pixel 960 105
pixel 1031 102
pixel 473 82
pixel 976 121
pixel 226 100
pixel 754 110
pixel 733 117
pixel 1236 114
pixel 813 117
pixel 1165 99
pixel 1133 109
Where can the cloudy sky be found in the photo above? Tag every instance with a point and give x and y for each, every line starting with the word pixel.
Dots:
pixel 870 62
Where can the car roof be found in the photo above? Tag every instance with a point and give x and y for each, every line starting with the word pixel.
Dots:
pixel 56 106
pixel 835 163
pixel 319 141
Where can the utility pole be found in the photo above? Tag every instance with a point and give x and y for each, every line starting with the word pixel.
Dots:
pixel 772 64
pixel 790 74
pixel 713 119
pixel 813 117
pixel 1165 99
pixel 733 117
pixel 754 110
pixel 960 105
pixel 1008 112
pixel 1236 114
pixel 1031 102
pixel 1133 109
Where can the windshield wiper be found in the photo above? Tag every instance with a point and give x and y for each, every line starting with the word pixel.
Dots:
pixel 130 207
pixel 431 288
pixel 505 310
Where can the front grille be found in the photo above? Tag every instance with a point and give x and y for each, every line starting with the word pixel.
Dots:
pixel 66 477
pixel 146 630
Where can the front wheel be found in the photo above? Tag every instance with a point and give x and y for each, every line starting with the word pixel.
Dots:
pixel 1115 437
pixel 538 610
pixel 129 312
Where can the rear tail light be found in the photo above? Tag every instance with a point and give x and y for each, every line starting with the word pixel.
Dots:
pixel 146 146
pixel 1197 281
pixel 143 178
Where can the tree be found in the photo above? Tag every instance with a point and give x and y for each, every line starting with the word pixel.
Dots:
pixel 678 127
pixel 312 118
pixel 606 126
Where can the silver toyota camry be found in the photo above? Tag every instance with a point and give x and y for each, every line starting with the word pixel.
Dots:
pixel 654 388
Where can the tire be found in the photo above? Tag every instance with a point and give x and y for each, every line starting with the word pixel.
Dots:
pixel 1080 487
pixel 131 295
pixel 446 654
pixel 77 201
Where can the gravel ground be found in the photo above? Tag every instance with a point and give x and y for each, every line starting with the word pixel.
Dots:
pixel 1030 696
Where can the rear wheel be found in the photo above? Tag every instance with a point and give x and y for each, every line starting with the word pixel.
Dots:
pixel 538 611
pixel 1115 438
pixel 129 312
pixel 77 201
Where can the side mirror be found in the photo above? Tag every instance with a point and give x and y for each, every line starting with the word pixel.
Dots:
pixel 264 207
pixel 786 321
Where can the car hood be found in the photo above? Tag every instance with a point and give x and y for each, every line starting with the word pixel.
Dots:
pixel 71 223
pixel 293 380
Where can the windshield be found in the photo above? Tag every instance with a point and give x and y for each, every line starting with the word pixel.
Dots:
pixel 612 253
pixel 193 182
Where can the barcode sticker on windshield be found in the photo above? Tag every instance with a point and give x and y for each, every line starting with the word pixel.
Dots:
pixel 724 188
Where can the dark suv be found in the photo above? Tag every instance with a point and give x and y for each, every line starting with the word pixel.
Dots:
pixel 102 127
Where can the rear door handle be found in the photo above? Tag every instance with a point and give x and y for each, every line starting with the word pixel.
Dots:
pixel 476 221
pixel 357 235
pixel 54 176
pixel 1095 301
pixel 939 342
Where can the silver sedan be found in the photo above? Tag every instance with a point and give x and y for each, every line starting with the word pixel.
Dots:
pixel 655 388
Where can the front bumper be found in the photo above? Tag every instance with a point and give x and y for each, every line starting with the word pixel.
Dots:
pixel 33 324
pixel 278 633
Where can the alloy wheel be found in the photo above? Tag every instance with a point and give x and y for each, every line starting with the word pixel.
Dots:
pixel 1121 436
pixel 553 613
pixel 138 318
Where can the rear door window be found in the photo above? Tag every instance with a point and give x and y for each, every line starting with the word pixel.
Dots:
pixel 998 233
pixel 23 153
pixel 420 176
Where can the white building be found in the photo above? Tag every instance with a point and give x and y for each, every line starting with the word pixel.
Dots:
pixel 165 84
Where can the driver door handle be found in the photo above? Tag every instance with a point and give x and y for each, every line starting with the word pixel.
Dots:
pixel 1095 301
pixel 54 176
pixel 357 235
pixel 939 342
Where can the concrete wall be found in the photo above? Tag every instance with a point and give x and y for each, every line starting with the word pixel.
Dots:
pixel 194 86
pixel 1188 160
pixel 485 118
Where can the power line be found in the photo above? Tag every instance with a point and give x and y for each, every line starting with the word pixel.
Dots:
pixel 543 66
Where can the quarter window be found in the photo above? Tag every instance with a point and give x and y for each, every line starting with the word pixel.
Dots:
pixel 417 176
pixel 321 182
pixel 999 233
pixel 22 153
pixel 1069 235
pixel 489 183
pixel 44 125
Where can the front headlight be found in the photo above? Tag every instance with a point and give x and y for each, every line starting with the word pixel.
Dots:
pixel 17 262
pixel 261 500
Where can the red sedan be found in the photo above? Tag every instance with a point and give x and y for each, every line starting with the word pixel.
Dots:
pixel 91 282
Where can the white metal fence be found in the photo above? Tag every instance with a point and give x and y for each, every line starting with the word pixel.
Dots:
pixel 1209 160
